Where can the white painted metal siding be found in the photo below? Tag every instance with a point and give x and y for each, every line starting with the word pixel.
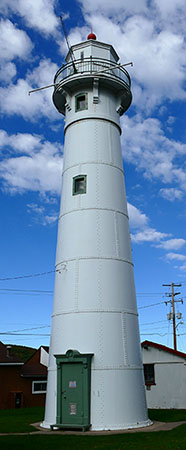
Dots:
pixel 95 304
pixel 169 390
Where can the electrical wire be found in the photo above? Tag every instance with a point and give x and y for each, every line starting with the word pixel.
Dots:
pixel 149 293
pixel 27 329
pixel 149 306
pixel 26 290
pixel 154 328
pixel 152 323
pixel 24 334
pixel 27 276
pixel 21 294
pixel 154 334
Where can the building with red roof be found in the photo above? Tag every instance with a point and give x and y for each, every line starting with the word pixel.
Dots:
pixel 22 384
pixel 165 376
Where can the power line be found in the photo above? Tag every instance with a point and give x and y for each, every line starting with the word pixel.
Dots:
pixel 152 323
pixel 154 334
pixel 149 293
pixel 21 294
pixel 27 276
pixel 27 290
pixel 23 334
pixel 148 330
pixel 26 329
pixel 149 306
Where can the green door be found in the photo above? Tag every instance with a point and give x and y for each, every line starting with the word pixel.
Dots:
pixel 73 390
pixel 72 394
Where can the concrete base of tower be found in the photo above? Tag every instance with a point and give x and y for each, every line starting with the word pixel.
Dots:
pixel 108 428
pixel 121 427
pixel 45 425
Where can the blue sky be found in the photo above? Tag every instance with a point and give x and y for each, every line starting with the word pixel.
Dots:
pixel 32 47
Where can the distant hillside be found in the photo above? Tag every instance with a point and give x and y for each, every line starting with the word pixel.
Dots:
pixel 23 353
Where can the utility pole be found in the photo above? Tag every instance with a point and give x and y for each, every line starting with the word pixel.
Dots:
pixel 173 315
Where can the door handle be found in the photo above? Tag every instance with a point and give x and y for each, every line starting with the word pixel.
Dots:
pixel 63 392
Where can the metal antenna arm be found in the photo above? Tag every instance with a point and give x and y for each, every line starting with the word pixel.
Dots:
pixel 114 66
pixel 68 45
pixel 41 88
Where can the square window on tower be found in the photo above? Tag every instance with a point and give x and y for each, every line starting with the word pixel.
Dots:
pixel 81 102
pixel 79 185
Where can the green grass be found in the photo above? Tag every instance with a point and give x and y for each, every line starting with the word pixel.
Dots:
pixel 164 440
pixel 19 420
pixel 167 415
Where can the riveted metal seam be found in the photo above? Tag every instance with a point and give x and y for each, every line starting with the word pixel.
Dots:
pixel 94 118
pixel 93 209
pixel 96 163
pixel 65 261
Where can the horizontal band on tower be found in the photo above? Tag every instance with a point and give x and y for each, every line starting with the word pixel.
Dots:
pixel 89 311
pixel 104 258
pixel 96 163
pixel 94 209
pixel 93 118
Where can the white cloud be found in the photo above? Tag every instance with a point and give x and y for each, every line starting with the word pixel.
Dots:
pixel 14 42
pixel 33 207
pixel 40 216
pixel 171 194
pixel 180 175
pixel 141 231
pixel 171 120
pixel 38 169
pixel 170 8
pixel 21 142
pixel 108 6
pixel 148 235
pixel 7 71
pixel 183 267
pixel 38 14
pixel 158 61
pixel 149 149
pixel 165 14
pixel 14 99
pixel 136 217
pixel 172 244
pixel 50 219
pixel 43 74
pixel 176 256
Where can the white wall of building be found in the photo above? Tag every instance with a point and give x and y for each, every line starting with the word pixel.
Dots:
pixel 169 390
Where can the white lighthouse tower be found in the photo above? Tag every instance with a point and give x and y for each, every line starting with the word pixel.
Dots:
pixel 95 373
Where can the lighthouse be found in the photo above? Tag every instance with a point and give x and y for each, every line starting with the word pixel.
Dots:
pixel 95 372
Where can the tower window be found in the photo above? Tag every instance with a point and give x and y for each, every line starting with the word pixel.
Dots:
pixel 81 102
pixel 79 184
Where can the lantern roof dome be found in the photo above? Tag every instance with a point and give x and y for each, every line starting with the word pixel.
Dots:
pixel 91 36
